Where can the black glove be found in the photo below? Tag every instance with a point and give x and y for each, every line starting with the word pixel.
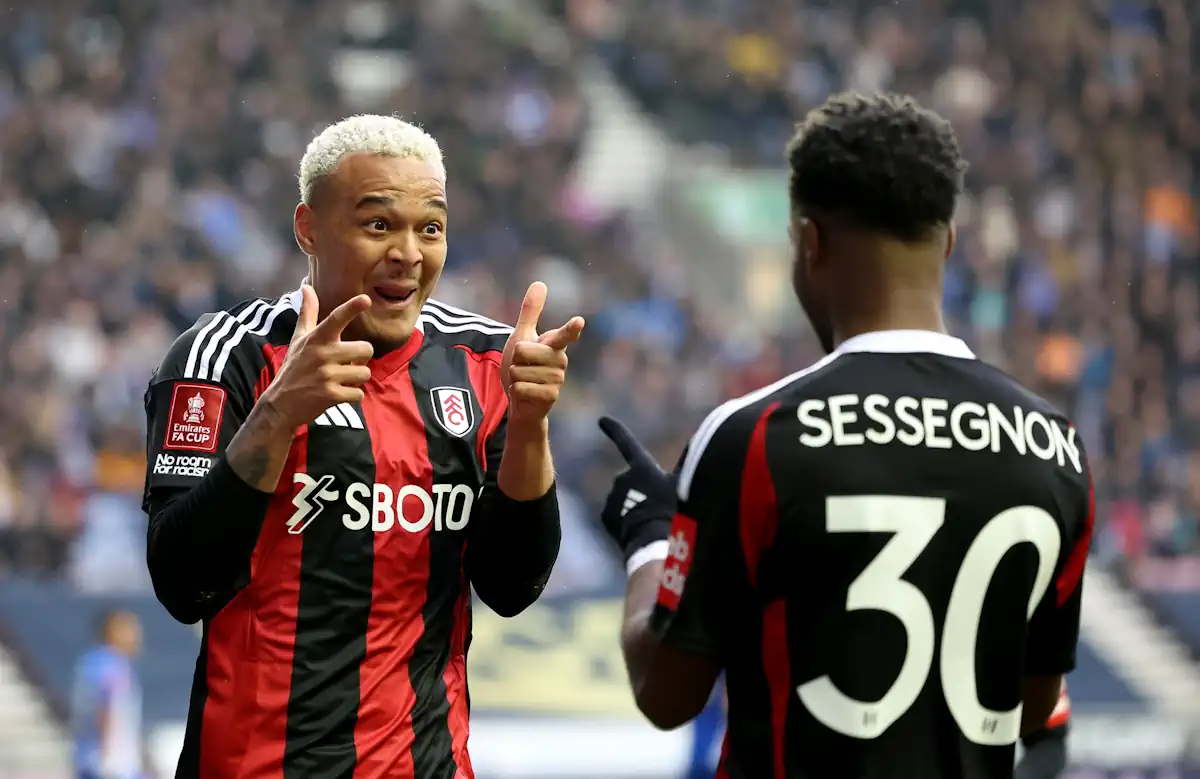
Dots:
pixel 642 500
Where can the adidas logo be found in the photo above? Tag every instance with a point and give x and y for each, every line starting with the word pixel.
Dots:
pixel 341 415
pixel 632 499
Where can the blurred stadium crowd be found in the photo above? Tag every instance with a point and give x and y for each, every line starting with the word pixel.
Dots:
pixel 147 175
pixel 1076 267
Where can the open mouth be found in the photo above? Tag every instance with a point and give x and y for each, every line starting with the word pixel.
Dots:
pixel 394 294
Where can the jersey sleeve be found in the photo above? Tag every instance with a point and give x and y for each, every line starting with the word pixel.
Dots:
pixel 197 399
pixel 1054 627
pixel 203 519
pixel 704 556
pixel 512 545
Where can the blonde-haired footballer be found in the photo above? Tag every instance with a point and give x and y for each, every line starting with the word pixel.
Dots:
pixel 332 471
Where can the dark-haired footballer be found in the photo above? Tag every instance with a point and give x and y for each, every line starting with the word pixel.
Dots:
pixel 883 552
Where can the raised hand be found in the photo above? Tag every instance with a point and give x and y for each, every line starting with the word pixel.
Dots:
pixel 320 370
pixel 534 366
pixel 642 501
pixel 632 451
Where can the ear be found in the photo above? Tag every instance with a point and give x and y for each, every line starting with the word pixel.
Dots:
pixel 808 243
pixel 951 240
pixel 304 228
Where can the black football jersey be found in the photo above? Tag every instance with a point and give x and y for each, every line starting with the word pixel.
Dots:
pixel 878 549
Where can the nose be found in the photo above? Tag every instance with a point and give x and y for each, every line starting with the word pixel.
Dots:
pixel 405 248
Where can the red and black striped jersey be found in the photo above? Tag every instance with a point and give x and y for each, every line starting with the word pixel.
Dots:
pixel 877 550
pixel 339 649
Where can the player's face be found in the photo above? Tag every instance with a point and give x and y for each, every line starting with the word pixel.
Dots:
pixel 809 278
pixel 376 225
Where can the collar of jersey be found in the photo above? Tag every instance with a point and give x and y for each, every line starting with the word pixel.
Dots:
pixel 907 342
pixel 383 367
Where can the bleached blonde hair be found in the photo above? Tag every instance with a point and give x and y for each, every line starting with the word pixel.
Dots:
pixel 365 134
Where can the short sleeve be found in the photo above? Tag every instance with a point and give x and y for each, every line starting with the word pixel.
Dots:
pixel 198 398
pixel 695 597
pixel 1054 627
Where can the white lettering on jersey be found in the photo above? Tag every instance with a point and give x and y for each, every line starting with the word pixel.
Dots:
pixel 845 420
pixel 195 466
pixel 381 508
pixel 913 522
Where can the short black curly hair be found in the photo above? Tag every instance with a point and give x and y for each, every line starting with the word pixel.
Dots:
pixel 880 161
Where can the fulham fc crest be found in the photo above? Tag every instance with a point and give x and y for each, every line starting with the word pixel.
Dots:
pixel 452 407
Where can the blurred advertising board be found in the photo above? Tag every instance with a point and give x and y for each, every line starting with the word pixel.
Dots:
pixel 518 747
pixel 550 700
pixel 559 658
pixel 1191 771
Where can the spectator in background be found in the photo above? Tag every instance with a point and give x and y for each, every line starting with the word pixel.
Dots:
pixel 106 705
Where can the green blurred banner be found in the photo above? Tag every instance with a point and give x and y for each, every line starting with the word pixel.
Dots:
pixel 732 226
pixel 746 207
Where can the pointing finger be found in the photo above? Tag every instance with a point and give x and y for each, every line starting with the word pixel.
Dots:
pixel 531 310
pixel 333 325
pixel 308 312
pixel 630 448
pixel 564 336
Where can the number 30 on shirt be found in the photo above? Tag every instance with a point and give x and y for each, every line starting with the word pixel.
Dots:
pixel 914 521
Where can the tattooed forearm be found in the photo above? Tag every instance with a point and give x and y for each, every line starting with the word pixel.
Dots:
pixel 259 451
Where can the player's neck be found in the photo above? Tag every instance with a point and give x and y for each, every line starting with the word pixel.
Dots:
pixel 900 310
pixel 888 286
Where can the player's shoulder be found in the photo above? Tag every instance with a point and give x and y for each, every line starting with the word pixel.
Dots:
pixel 1040 417
pixel 923 364
pixel 452 327
pixel 231 340
pixel 1007 388
pixel 728 429
pixel 739 416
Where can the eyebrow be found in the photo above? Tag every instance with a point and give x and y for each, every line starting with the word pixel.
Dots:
pixel 386 201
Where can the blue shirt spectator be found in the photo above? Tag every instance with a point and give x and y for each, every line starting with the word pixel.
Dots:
pixel 106 704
